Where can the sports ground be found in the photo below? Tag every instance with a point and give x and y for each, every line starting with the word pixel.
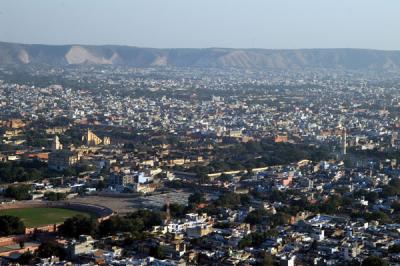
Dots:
pixel 34 217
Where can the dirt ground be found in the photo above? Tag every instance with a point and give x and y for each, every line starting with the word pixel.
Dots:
pixel 125 204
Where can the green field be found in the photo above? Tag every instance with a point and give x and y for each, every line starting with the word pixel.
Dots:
pixel 34 217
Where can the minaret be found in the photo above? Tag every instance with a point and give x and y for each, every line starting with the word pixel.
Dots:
pixel 56 145
pixel 344 142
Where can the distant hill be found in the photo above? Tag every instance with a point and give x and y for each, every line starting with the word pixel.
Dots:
pixel 347 59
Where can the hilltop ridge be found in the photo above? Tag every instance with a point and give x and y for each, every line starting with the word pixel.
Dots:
pixel 60 55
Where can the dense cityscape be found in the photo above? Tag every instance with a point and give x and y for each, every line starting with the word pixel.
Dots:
pixel 113 165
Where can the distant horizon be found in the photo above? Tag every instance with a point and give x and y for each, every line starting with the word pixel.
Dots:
pixel 200 48
pixel 236 24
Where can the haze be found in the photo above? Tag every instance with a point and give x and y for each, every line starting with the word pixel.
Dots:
pixel 207 23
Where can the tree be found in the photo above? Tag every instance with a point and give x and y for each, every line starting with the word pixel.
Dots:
pixel 378 216
pixel 109 226
pixel 22 171
pixel 394 248
pixel 373 261
pixel 149 218
pixel 157 252
pixel 118 224
pixel 18 192
pixel 267 260
pixel 78 225
pixel 54 196
pixel 135 223
pixel 245 242
pixel 228 200
pixel 226 178
pixel 25 258
pixel 48 249
pixel 11 225
pixel 176 210
pixel 279 218
pixel 196 198
pixel 257 238
pixel 396 206
pixel 258 216
pixel 331 205
pixel 372 196
pixel 203 178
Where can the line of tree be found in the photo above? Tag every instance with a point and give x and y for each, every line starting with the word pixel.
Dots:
pixel 21 171
pixel 134 223
pixel 19 192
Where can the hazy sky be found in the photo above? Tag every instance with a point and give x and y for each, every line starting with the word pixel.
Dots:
pixel 204 23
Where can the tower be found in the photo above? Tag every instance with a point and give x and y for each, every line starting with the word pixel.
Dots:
pixel 344 142
pixel 56 144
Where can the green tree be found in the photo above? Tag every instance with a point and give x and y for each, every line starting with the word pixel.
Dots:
pixel 228 200
pixel 118 224
pixel 396 206
pixel 149 218
pixel 11 225
pixel 196 198
pixel 332 205
pixel 157 252
pixel 258 216
pixel 78 225
pixel 176 210
pixel 18 192
pixel 394 248
pixel 267 260
pixel 373 261
pixel 226 178
pixel 26 258
pixel 246 241
pixel 53 196
pixel 203 178
pixel 280 218
pixel 48 249
pixel 135 223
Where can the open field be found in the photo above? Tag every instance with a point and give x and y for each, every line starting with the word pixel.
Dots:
pixel 129 203
pixel 33 217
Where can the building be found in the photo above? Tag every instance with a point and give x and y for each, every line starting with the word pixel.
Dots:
pixel 16 123
pixel 106 141
pixel 121 180
pixel 91 139
pixel 56 144
pixel 60 160
pixel 199 231
pixel 84 245
pixel 175 248
pixel 287 261
pixel 279 138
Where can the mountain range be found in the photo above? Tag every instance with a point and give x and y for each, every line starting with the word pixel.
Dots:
pixel 61 55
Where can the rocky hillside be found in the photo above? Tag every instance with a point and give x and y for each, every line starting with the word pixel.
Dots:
pixel 352 59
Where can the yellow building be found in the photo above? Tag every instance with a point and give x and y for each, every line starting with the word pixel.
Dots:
pixel 92 139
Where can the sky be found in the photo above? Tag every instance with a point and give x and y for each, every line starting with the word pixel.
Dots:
pixel 271 24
